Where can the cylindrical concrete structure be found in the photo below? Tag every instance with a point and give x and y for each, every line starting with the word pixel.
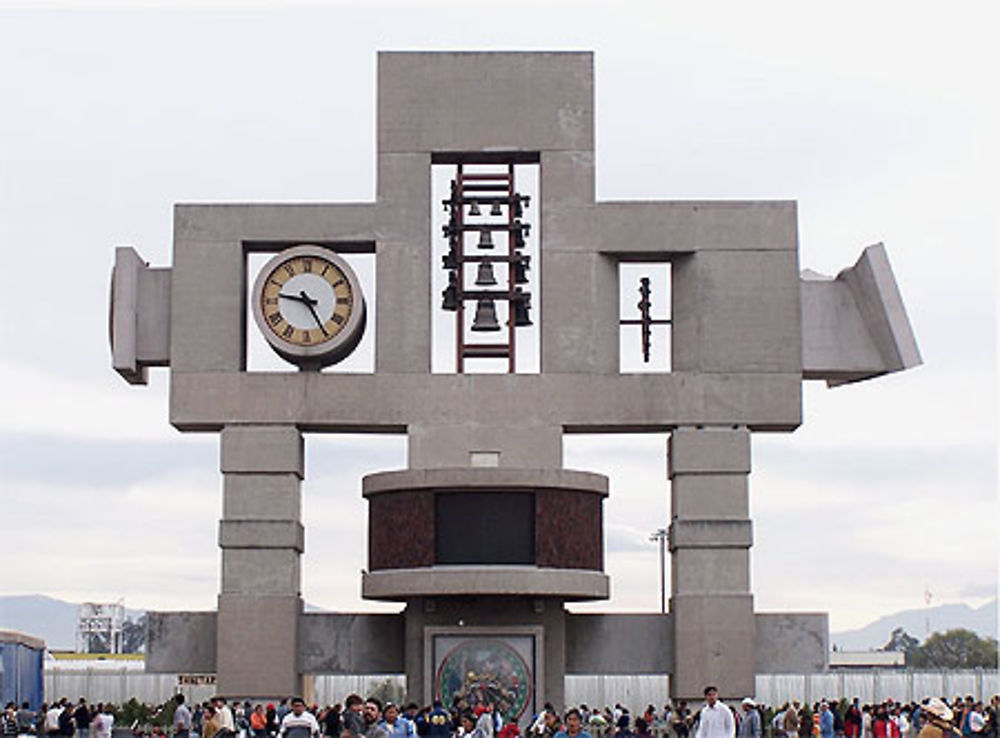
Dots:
pixel 484 558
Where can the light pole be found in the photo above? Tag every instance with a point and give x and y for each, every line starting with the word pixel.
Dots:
pixel 660 535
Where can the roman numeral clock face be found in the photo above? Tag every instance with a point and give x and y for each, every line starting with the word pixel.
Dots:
pixel 308 304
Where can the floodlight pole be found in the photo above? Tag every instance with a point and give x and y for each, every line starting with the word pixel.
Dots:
pixel 660 536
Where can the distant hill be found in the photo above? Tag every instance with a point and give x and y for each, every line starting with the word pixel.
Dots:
pixel 982 620
pixel 52 620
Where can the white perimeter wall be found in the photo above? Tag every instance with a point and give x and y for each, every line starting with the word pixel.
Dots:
pixel 635 692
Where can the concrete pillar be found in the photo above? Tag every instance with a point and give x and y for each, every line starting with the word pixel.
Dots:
pixel 710 539
pixel 262 540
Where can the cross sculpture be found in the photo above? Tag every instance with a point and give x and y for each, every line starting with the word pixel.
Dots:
pixel 746 331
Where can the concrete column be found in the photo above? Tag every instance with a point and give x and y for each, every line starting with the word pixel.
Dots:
pixel 710 539
pixel 262 540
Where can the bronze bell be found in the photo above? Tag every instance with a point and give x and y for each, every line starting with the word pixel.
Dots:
pixel 484 277
pixel 496 210
pixel 474 208
pixel 521 267
pixel 521 303
pixel 450 260
pixel 485 239
pixel 486 317
pixel 450 293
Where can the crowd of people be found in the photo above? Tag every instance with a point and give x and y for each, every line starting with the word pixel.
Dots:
pixel 370 718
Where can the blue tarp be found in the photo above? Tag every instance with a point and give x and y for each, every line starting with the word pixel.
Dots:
pixel 21 674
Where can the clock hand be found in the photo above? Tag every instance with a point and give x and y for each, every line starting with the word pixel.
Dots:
pixel 311 303
pixel 297 298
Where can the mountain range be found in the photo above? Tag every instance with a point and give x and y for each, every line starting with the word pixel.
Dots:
pixel 919 623
pixel 55 621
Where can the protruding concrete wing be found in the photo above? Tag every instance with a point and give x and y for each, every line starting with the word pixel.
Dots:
pixel 139 320
pixel 854 326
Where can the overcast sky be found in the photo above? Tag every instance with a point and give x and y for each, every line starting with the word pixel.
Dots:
pixel 879 118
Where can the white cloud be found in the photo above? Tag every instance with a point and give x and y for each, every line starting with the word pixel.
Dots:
pixel 37 400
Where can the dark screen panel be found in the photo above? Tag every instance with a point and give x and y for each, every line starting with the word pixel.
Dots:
pixel 484 528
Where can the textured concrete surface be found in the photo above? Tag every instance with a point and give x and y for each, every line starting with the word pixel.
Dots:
pixel 257 645
pixel 180 642
pixel 349 643
pixel 789 643
pixel 619 644
pixel 606 643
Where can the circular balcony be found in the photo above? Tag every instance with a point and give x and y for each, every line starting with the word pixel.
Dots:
pixel 485 531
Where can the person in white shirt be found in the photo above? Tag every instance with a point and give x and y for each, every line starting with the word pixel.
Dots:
pixel 298 723
pixel 226 721
pixel 103 722
pixel 715 720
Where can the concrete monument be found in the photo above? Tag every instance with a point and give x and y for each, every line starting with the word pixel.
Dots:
pixel 746 330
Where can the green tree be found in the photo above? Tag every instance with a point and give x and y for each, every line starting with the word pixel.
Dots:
pixel 900 640
pixel 956 649
pixel 134 634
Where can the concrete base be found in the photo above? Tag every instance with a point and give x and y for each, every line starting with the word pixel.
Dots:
pixel 714 644
pixel 257 649
pixel 544 617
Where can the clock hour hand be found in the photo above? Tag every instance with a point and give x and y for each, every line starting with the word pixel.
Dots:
pixel 309 303
pixel 301 297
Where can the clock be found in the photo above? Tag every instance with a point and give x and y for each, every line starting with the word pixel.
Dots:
pixel 308 305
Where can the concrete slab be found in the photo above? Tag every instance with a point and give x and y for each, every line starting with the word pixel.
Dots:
pixel 466 101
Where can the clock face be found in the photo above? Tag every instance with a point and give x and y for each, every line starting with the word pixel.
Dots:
pixel 309 306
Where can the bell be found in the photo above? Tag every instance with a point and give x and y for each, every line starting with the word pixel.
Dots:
pixel 496 210
pixel 485 239
pixel 518 208
pixel 450 294
pixel 474 208
pixel 521 303
pixel 450 260
pixel 484 277
pixel 524 228
pixel 486 317
pixel 521 267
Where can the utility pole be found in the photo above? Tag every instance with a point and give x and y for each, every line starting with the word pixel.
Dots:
pixel 660 535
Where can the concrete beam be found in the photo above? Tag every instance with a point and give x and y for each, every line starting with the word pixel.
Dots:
pixel 140 310
pixel 388 403
pixel 855 327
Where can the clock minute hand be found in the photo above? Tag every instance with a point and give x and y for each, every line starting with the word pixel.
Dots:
pixel 311 303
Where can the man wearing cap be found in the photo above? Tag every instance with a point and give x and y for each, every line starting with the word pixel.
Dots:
pixel 938 720
pixel 750 725
pixel 298 723
pixel 715 720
